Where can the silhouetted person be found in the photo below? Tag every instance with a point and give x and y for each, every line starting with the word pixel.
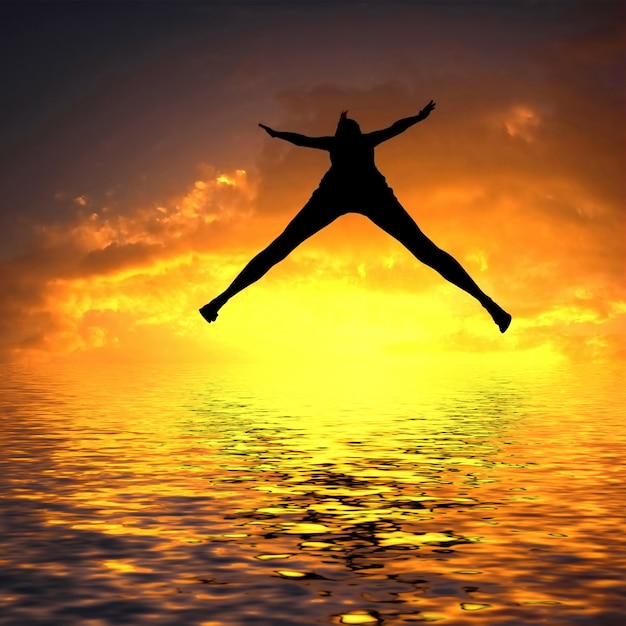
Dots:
pixel 353 184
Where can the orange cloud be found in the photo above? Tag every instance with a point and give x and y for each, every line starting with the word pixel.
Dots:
pixel 521 181
pixel 107 265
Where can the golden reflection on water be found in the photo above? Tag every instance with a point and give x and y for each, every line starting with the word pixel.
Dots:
pixel 301 496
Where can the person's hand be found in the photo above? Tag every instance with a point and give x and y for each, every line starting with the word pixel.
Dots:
pixel 427 110
pixel 270 131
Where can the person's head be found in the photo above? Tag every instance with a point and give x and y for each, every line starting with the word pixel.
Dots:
pixel 347 127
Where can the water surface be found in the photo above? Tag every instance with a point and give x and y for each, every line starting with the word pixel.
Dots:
pixel 203 496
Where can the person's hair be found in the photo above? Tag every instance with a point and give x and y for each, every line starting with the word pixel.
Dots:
pixel 347 126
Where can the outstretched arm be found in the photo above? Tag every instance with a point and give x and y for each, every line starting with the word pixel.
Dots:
pixel 378 136
pixel 321 143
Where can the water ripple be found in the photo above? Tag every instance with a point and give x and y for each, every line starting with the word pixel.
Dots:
pixel 203 500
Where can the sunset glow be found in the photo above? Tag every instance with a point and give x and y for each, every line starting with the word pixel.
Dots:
pixel 518 173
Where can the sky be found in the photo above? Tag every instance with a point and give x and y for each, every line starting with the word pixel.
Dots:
pixel 135 182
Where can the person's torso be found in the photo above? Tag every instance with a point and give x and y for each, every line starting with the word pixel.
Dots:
pixel 352 155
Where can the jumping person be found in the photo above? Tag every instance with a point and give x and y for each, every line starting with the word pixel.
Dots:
pixel 353 184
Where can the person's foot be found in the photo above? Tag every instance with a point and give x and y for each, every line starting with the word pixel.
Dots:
pixel 209 311
pixel 499 316
pixel 503 321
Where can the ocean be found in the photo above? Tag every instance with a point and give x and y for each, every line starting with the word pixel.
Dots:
pixel 250 495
